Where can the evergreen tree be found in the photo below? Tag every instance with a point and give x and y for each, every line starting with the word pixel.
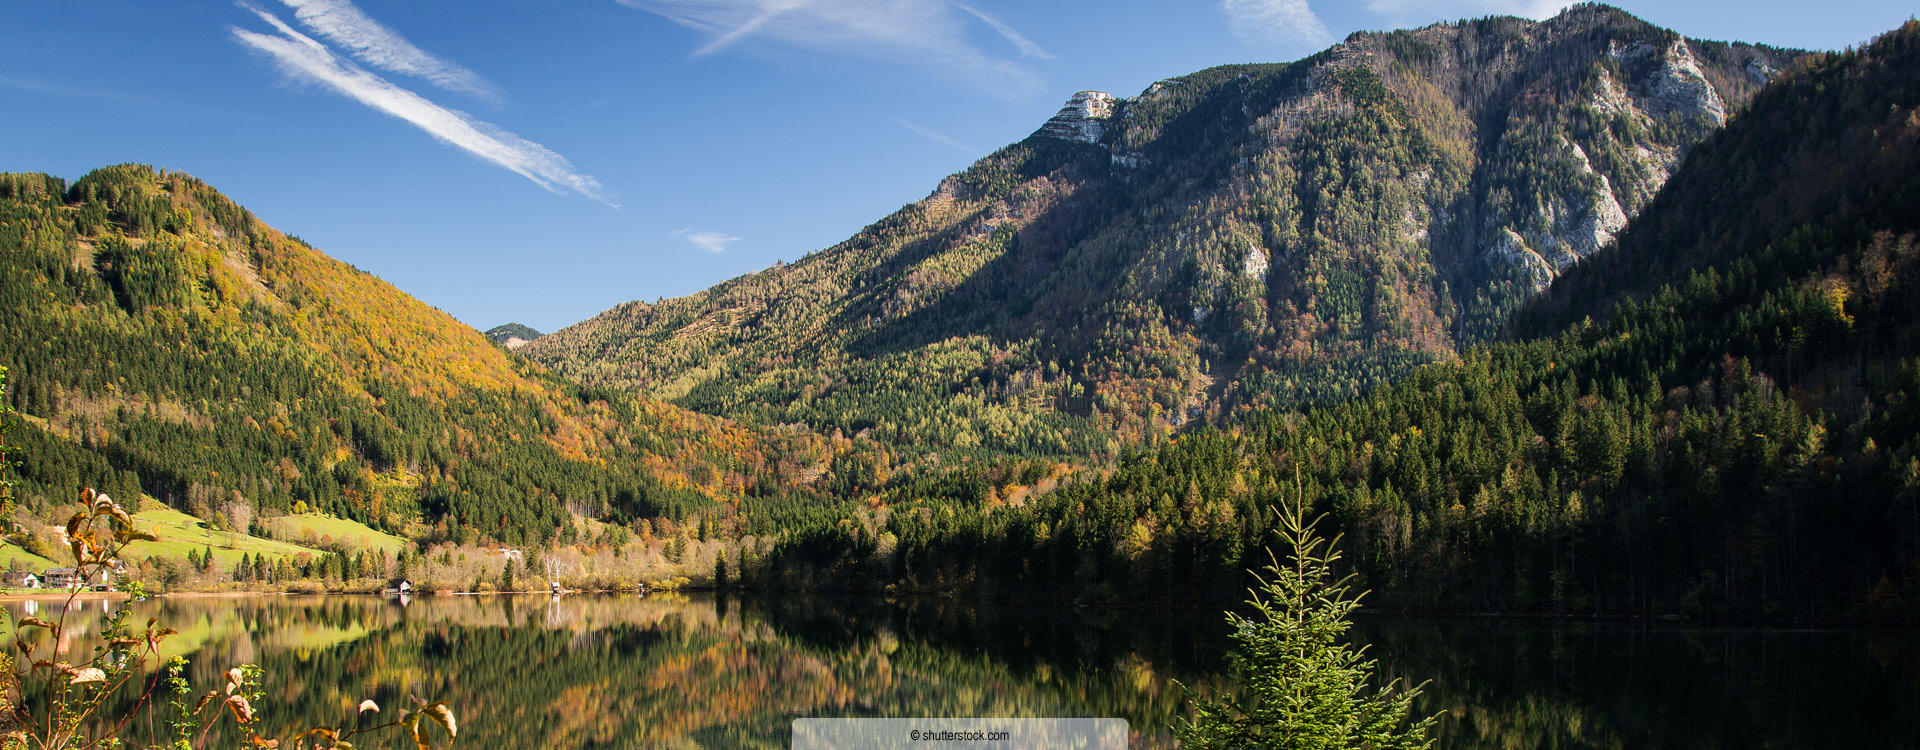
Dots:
pixel 533 567
pixel 720 570
pixel 6 466
pixel 746 567
pixel 1303 687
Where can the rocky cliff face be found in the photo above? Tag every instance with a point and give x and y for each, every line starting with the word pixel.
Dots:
pixel 1083 119
pixel 1662 102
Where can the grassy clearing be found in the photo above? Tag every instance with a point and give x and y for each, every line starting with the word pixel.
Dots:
pixel 33 562
pixel 180 533
pixel 351 533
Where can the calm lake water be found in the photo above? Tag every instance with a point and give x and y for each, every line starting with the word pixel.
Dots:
pixel 674 671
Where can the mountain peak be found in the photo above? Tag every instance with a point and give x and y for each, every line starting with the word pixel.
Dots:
pixel 1082 119
pixel 512 335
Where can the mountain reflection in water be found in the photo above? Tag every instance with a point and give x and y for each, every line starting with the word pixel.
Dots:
pixel 701 671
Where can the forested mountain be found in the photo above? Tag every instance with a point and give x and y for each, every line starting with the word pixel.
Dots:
pixel 512 335
pixel 1252 234
pixel 160 338
pixel 1718 417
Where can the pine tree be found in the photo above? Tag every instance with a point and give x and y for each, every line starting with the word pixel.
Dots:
pixel 6 466
pixel 720 570
pixel 1302 686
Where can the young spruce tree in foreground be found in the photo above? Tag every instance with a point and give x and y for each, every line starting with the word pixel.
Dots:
pixel 1303 687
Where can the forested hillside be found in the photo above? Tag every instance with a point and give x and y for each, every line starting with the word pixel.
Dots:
pixel 1246 235
pixel 994 391
pixel 1717 418
pixel 161 339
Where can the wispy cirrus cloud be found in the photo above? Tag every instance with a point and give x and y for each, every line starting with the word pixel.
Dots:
pixel 1027 47
pixel 926 33
pixel 1269 23
pixel 709 241
pixel 935 136
pixel 1408 12
pixel 303 58
pixel 373 43
pixel 765 13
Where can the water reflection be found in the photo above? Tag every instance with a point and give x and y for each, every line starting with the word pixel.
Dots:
pixel 676 671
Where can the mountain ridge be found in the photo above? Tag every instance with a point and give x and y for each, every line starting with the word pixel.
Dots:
pixel 1253 234
pixel 162 340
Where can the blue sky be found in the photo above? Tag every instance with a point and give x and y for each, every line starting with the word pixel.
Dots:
pixel 540 161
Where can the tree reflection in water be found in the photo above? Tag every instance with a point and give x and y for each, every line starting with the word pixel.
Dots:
pixel 670 670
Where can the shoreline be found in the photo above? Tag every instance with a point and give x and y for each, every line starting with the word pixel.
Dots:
pixel 55 595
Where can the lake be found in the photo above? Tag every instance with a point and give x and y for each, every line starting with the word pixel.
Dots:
pixel 700 671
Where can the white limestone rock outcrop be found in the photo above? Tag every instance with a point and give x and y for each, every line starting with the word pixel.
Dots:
pixel 1653 83
pixel 1256 264
pixel 1083 119
pixel 1594 219
pixel 1680 86
pixel 1508 248
pixel 1565 229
